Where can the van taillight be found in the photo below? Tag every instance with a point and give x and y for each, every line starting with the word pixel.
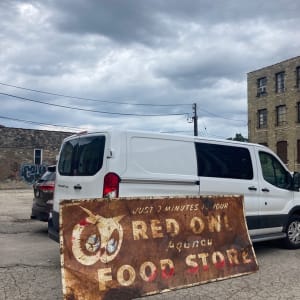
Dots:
pixel 111 185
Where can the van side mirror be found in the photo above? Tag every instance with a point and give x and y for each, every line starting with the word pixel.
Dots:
pixel 296 181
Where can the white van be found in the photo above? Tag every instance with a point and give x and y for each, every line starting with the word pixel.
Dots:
pixel 130 163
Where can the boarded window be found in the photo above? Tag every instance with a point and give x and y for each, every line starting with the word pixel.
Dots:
pixel 298 151
pixel 298 77
pixel 282 151
pixel 298 112
pixel 38 156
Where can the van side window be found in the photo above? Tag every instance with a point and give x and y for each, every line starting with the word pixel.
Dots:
pixel 273 172
pixel 82 156
pixel 223 161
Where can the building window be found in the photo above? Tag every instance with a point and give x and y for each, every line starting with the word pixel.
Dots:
pixel 262 118
pixel 280 82
pixel 298 77
pixel 298 151
pixel 282 150
pixel 280 115
pixel 38 156
pixel 261 86
pixel 298 112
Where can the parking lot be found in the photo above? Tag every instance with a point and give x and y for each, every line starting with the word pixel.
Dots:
pixel 30 264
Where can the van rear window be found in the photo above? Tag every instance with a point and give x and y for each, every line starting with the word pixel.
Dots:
pixel 82 156
pixel 223 161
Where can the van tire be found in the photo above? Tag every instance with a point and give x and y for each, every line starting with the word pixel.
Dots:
pixel 292 240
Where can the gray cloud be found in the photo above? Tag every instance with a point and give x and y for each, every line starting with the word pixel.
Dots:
pixel 154 52
pixel 150 22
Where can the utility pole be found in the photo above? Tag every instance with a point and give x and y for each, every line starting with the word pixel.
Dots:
pixel 195 119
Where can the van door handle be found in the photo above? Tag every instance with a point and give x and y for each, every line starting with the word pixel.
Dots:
pixel 252 188
pixel 77 187
pixel 265 190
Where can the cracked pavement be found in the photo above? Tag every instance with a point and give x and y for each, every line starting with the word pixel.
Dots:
pixel 29 260
pixel 30 265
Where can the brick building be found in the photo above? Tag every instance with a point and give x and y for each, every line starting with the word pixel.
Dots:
pixel 25 153
pixel 274 109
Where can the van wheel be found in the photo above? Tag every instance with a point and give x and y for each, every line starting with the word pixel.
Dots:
pixel 292 240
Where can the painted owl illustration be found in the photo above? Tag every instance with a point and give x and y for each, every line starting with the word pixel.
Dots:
pixel 96 238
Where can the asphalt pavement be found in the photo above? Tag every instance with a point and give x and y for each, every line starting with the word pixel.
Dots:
pixel 30 264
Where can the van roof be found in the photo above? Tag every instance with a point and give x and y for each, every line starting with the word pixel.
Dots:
pixel 159 134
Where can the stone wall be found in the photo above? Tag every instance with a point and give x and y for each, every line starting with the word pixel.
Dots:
pixel 17 150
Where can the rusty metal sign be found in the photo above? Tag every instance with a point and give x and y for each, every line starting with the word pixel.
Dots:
pixel 130 247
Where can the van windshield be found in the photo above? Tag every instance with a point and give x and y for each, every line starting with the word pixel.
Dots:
pixel 82 156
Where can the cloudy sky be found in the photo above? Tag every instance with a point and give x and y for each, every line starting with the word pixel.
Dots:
pixel 138 64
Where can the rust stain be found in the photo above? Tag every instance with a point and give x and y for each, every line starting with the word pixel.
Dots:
pixel 130 247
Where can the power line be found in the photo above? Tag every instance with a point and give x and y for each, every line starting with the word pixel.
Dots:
pixel 117 102
pixel 90 99
pixel 39 123
pixel 71 127
pixel 220 117
pixel 78 128
pixel 91 110
pixel 176 131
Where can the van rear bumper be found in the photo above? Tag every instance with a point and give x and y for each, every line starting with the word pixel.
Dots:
pixel 53 227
